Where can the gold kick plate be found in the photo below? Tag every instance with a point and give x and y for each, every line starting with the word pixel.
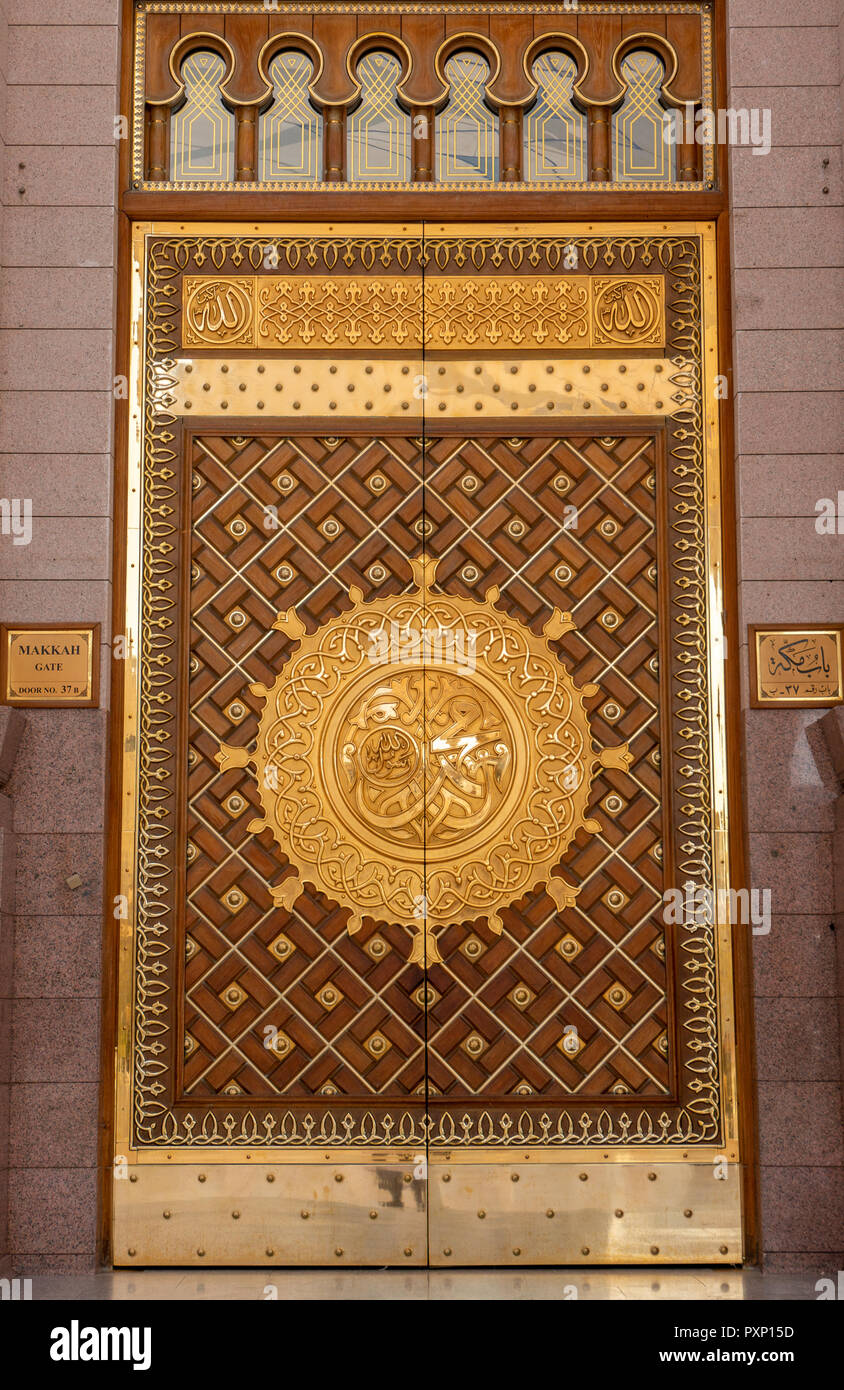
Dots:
pixel 386 1214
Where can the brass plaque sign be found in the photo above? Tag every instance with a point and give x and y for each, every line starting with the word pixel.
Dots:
pixel 795 666
pixel 50 667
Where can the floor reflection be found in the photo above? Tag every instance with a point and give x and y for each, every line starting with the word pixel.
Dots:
pixel 695 1284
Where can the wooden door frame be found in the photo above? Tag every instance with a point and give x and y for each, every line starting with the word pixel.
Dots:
pixel 516 208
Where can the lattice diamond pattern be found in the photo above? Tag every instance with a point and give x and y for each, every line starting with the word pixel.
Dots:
pixel 513 527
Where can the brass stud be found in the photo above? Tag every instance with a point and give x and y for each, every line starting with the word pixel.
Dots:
pixel 373 1216
pixel 618 1211
pixel 517 1250
pixel 133 1177
pixel 651 1177
pixel 481 1214
pixel 584 1249
pixel 446 1177
pixel 200 1251
pixel 338 1252
pixel 447 1250
pixel 201 1177
pixel 305 1215
pixel 131 1250
pixel 166 1215
pixel 514 1177
pixel 408 1250
pixel 584 1177
pixel 235 1216
pixel 688 1213
pixel 723 1249
pixel 269 1250
pixel 407 1177
pixel 338 1177
pixel 270 1177
pixel 550 1211
pixel 654 1249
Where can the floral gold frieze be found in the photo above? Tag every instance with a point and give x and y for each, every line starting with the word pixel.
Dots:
pixel 442 313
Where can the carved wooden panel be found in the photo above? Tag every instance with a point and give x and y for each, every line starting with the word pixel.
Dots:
pixel 443 72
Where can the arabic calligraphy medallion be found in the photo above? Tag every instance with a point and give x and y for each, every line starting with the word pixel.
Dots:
pixel 628 310
pixel 217 311
pixel 424 759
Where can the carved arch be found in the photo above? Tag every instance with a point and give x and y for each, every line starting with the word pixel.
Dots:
pixel 284 43
pixel 557 43
pixel 467 43
pixel 380 43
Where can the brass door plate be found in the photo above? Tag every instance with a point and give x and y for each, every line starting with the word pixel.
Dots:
pixel 270 1214
pixel 585 1214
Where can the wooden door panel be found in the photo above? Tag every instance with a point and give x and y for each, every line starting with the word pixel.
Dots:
pixel 586 504
pixel 399 913
pixel 345 509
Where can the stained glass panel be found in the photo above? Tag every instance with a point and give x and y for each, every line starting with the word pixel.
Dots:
pixel 467 131
pixel 202 130
pixel 554 130
pixel 378 131
pixel 290 131
pixel 640 153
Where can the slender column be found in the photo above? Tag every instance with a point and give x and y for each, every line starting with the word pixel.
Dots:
pixel 335 143
pixel 246 144
pixel 599 144
pixel 687 152
pixel 422 126
pixel 511 143
pixel 158 140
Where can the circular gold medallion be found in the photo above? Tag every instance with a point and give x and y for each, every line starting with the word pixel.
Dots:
pixel 424 759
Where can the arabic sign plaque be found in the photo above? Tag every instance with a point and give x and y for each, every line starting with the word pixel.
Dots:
pixel 49 667
pixel 798 667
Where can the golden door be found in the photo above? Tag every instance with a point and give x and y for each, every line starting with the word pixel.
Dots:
pixel 423 719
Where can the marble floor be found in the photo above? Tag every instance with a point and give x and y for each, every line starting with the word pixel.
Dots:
pixel 693 1284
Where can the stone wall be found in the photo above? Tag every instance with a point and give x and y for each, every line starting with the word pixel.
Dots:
pixel 788 302
pixel 57 323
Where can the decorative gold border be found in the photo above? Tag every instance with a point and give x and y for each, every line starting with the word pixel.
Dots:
pixel 697 711
pixel 696 7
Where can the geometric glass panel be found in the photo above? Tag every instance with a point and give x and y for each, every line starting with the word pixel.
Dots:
pixel 378 131
pixel 467 131
pixel 554 130
pixel 640 153
pixel 202 130
pixel 290 131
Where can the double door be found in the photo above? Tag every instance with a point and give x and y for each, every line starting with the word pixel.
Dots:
pixel 423 723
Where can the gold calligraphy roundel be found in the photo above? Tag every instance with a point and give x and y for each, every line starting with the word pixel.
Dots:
pixel 424 759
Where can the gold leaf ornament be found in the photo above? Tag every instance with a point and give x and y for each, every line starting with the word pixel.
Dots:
pixel 424 759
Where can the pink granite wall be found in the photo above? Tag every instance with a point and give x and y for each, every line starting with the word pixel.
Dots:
pixel 57 310
pixel 7 857
pixel 788 288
